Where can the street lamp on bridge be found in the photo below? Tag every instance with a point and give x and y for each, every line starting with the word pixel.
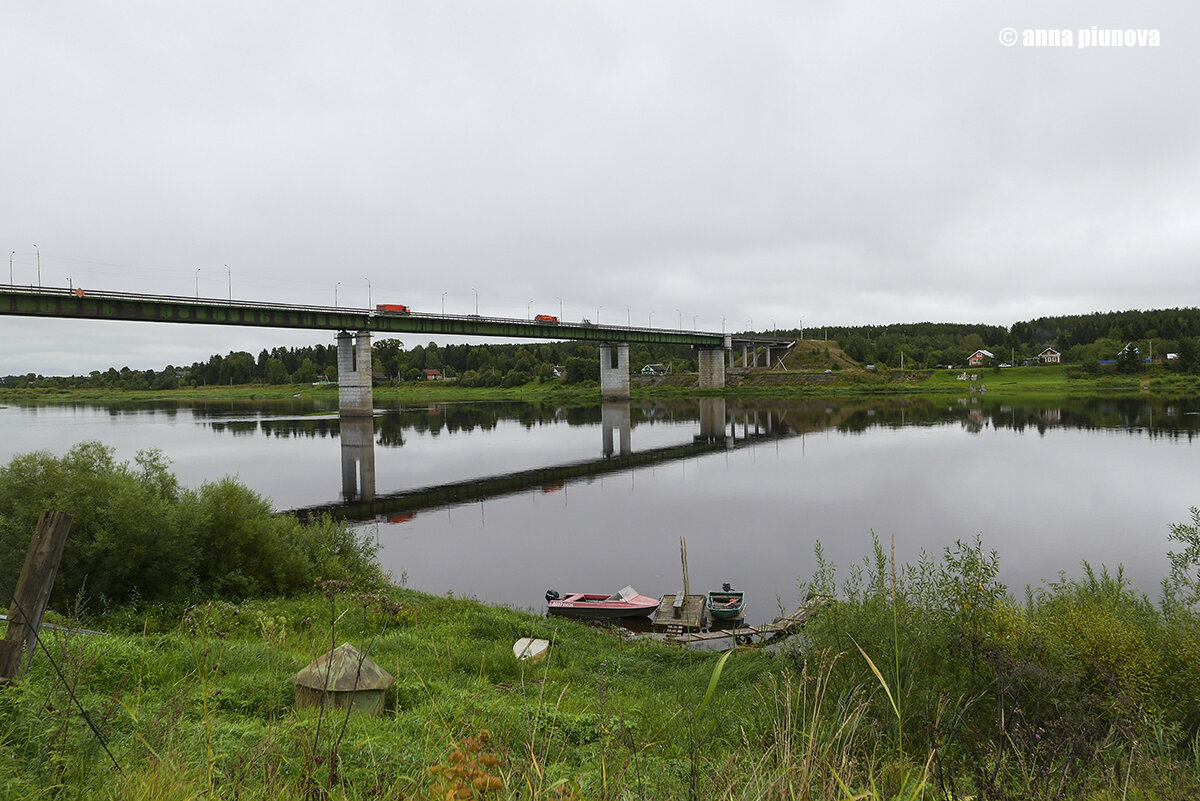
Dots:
pixel 10 255
pixel 197 283
pixel 527 312
pixel 443 304
pixel 560 308
pixel 677 311
pixel 39 255
pixel 368 280
pixel 476 291
pixel 335 289
pixel 229 276
pixel 650 319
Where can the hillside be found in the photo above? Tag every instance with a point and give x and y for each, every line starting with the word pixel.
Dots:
pixel 817 355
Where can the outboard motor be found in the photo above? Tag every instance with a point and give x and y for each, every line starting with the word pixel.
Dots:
pixel 552 595
pixel 726 587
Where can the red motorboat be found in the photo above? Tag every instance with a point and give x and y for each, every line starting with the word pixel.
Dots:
pixel 594 606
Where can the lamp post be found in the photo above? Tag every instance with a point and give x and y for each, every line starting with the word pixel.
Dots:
pixel 722 324
pixel 476 291
pixel 650 319
pixel 560 308
pixel 368 280
pixel 197 283
pixel 749 324
pixel 598 308
pixel 626 316
pixel 527 312
pixel 39 255
pixel 443 304
pixel 10 255
pixel 335 289
pixel 694 316
pixel 677 311
pixel 229 277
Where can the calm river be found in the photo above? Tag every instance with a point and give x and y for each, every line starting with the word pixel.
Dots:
pixel 503 501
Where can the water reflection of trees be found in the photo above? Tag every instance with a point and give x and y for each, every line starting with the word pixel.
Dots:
pixel 1174 419
pixel 309 418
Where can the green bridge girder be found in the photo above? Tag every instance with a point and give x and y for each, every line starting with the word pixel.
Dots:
pixel 67 303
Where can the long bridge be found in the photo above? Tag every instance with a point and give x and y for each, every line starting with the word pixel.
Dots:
pixel 354 349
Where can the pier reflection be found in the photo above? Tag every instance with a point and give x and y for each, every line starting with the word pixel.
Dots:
pixel 721 426
pixel 358 458
pixel 616 418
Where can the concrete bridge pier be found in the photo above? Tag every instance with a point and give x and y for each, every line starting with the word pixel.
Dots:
pixel 355 396
pixel 616 417
pixel 711 362
pixel 614 371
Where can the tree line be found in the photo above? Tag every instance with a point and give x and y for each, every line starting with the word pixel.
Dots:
pixel 1086 339
pixel 472 365
pixel 1123 340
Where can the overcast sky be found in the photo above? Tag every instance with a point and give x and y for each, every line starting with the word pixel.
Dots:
pixel 752 163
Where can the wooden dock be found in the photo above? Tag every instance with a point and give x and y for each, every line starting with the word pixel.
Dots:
pixel 744 635
pixel 678 614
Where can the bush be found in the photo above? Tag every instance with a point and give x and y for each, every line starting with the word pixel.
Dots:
pixel 1054 683
pixel 137 535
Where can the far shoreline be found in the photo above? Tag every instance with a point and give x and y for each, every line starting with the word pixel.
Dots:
pixel 1029 384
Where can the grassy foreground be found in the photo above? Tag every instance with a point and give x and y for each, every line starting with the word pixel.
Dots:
pixel 921 681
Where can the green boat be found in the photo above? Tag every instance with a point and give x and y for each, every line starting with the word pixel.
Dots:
pixel 728 604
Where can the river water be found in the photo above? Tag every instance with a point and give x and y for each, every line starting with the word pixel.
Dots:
pixel 502 501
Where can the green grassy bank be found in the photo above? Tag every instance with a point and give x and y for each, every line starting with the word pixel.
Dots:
pixel 921 681
pixel 1017 383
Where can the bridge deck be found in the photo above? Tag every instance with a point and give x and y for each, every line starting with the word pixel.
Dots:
pixel 65 302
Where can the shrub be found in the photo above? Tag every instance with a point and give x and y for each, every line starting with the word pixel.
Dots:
pixel 136 535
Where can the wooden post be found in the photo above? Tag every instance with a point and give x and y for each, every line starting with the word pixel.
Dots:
pixel 33 593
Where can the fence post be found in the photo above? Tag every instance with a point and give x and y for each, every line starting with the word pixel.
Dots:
pixel 33 593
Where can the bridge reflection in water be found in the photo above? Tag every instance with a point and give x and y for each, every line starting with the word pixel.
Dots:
pixel 721 427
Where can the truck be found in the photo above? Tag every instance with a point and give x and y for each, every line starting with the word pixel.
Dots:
pixel 392 308
pixel 545 318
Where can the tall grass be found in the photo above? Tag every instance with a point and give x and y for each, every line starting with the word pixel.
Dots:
pixel 928 680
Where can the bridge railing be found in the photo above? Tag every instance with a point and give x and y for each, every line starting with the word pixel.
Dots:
pixel 183 300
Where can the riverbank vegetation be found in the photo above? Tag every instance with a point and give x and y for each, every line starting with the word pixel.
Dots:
pixel 929 680
pixel 1099 344
pixel 1050 383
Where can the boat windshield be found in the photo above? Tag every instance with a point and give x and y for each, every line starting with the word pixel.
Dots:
pixel 627 594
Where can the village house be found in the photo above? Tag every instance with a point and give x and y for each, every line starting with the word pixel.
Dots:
pixel 654 369
pixel 979 357
pixel 433 375
pixel 1050 356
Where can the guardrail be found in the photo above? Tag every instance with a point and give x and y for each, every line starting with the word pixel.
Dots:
pixel 183 300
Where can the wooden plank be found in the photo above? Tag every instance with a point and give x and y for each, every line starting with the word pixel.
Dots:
pixel 778 627
pixel 33 593
pixel 691 616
